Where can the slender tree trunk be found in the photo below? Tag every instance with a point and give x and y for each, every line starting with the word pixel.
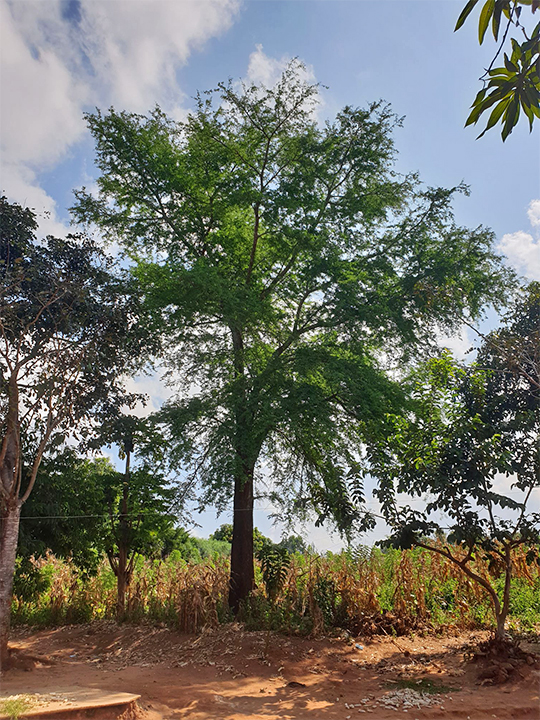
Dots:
pixel 242 571
pixel 122 582
pixel 9 534
pixel 502 612
pixel 124 534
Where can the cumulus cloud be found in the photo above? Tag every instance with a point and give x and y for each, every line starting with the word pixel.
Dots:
pixel 534 213
pixel 266 71
pixel 459 344
pixel 62 56
pixel 522 248
pixel 155 390
pixel 523 251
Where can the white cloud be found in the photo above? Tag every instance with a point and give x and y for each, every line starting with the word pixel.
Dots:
pixel 459 344
pixel 523 251
pixel 121 52
pixel 154 388
pixel 20 184
pixel 266 71
pixel 534 213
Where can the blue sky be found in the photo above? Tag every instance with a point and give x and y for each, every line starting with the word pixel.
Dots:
pixel 62 58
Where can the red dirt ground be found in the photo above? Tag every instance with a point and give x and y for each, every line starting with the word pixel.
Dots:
pixel 223 674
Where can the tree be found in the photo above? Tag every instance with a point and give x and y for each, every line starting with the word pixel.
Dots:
pixel 66 512
pixel 283 258
pixel 225 533
pixel 65 340
pixel 470 427
pixel 514 349
pixel 139 503
pixel 83 509
pixel 516 85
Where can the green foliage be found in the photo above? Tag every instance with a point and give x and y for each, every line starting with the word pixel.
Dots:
pixel 516 85
pixel 70 325
pixel 294 544
pixel 281 257
pixel 470 426
pixel 76 508
pixel 211 548
pixel 275 562
pixel 29 581
pixel 66 511
pixel 319 594
pixel 225 533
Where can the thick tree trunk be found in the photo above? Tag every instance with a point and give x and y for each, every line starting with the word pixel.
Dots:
pixel 242 571
pixel 9 534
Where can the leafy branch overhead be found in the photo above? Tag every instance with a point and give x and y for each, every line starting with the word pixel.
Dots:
pixel 514 87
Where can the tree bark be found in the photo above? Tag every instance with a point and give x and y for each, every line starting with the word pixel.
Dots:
pixel 242 577
pixel 503 611
pixel 9 535
pixel 123 574
pixel 122 582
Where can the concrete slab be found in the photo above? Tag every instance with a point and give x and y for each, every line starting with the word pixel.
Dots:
pixel 73 704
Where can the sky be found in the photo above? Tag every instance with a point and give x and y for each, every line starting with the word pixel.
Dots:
pixel 60 58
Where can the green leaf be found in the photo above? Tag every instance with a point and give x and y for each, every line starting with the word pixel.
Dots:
pixel 516 50
pixel 496 21
pixel 510 65
pixel 495 115
pixel 511 115
pixel 485 17
pixel 469 7
pixel 527 109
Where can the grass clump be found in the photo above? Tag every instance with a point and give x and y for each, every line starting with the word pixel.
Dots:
pixel 15 706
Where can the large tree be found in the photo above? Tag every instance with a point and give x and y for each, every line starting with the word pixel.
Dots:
pixel 65 341
pixel 285 258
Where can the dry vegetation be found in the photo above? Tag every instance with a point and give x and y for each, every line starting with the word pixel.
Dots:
pixel 366 592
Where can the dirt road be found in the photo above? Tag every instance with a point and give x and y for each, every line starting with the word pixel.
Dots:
pixel 228 674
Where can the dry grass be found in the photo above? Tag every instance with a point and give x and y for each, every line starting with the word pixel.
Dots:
pixel 367 592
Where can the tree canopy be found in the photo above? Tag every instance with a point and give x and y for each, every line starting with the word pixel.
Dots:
pixel 287 262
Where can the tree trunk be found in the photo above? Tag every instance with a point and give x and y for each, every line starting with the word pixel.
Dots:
pixel 122 581
pixel 123 573
pixel 501 613
pixel 242 571
pixel 9 535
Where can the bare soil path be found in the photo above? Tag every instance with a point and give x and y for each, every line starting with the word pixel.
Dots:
pixel 224 674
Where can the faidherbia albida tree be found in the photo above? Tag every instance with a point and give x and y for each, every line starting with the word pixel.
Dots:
pixel 282 257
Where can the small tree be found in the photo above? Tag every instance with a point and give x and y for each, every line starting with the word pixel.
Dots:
pixel 470 426
pixel 65 341
pixel 83 509
pixel 66 511
pixel 139 501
